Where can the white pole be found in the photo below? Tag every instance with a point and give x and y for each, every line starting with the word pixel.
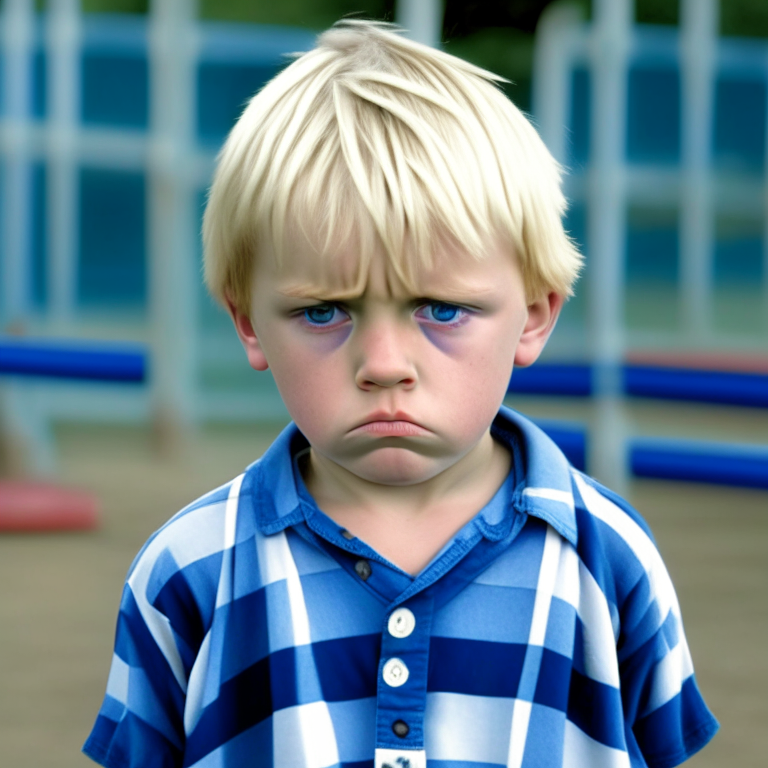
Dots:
pixel 552 59
pixel 17 42
pixel 612 20
pixel 172 231
pixel 63 38
pixel 698 53
pixel 422 20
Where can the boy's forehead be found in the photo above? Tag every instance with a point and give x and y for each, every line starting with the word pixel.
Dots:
pixel 351 269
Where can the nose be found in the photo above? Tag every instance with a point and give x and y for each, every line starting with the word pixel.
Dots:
pixel 383 359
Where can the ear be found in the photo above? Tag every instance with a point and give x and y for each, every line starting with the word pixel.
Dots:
pixel 248 338
pixel 542 316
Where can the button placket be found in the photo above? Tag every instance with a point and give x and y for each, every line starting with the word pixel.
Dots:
pixel 402 685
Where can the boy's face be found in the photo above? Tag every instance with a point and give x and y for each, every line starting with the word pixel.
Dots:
pixel 392 385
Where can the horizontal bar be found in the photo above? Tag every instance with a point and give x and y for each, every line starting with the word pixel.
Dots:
pixel 712 463
pixel 651 381
pixel 726 387
pixel 73 360
pixel 678 460
pixel 553 379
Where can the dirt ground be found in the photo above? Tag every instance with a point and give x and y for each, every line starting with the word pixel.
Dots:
pixel 60 592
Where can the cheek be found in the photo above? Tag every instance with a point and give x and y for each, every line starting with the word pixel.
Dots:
pixel 312 379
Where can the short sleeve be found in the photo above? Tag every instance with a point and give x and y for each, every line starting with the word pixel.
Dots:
pixel 140 723
pixel 667 718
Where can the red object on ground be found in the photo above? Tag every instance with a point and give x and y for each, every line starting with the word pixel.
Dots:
pixel 32 506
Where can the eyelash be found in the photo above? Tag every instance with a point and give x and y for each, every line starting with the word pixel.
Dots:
pixel 461 315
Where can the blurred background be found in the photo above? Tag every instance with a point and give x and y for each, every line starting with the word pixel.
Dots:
pixel 111 114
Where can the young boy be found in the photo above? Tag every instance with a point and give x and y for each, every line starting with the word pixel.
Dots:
pixel 412 575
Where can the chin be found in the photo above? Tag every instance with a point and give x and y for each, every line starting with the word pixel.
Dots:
pixel 395 466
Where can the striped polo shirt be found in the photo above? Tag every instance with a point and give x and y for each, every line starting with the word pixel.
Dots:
pixel 254 632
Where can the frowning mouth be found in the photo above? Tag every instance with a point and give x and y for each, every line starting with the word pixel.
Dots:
pixel 384 424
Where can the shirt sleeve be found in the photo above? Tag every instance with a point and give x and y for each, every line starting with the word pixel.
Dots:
pixel 667 718
pixel 141 719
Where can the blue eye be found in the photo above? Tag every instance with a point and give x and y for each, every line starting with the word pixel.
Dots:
pixel 441 312
pixel 322 314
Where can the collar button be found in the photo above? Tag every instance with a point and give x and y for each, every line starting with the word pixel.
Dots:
pixel 363 569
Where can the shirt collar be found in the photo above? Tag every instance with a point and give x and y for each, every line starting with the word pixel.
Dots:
pixel 543 489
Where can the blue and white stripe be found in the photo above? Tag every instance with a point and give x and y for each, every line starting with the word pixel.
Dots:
pixel 547 634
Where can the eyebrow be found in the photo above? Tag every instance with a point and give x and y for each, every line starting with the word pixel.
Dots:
pixel 450 296
pixel 316 292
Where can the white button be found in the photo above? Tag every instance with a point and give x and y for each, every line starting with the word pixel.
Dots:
pixel 395 672
pixel 401 623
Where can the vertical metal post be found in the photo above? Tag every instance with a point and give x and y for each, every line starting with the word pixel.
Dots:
pixel 17 44
pixel 699 21
pixel 612 20
pixel 173 268
pixel 63 41
pixel 422 20
pixel 552 70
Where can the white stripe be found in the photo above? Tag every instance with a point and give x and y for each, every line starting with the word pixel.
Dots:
pixel 545 587
pixel 567 581
pixel 277 564
pixel 638 541
pixel 600 662
pixel 117 683
pixel 303 737
pixel 521 712
pixel 521 717
pixel 676 666
pixel 460 726
pixel 157 623
pixel 668 677
pixel 565 497
pixel 198 676
pixel 581 751
pixel 230 521
pixel 224 592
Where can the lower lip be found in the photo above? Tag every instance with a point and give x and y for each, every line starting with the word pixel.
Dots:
pixel 392 429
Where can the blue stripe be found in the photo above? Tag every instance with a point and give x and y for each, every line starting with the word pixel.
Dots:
pixel 475 667
pixel 135 744
pixel 242 702
pixel 596 709
pixel 554 679
pixel 244 617
pixel 136 646
pixel 348 666
pixel 676 730
pixel 183 594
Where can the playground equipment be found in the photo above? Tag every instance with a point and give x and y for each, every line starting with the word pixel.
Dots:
pixel 102 189
pixel 44 506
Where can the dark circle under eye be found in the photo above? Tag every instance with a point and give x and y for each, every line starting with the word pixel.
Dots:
pixel 444 313
pixel 323 314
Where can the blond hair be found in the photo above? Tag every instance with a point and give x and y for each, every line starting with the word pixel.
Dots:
pixel 375 137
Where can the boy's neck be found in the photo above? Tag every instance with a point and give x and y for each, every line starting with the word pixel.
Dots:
pixel 409 524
